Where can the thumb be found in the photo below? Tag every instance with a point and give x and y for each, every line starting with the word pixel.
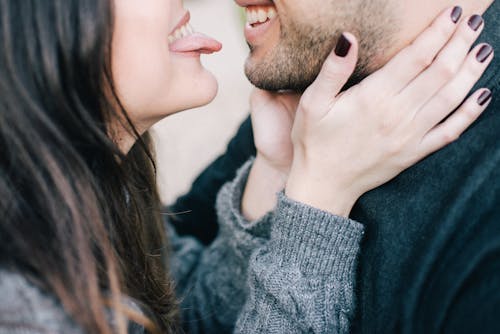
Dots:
pixel 336 71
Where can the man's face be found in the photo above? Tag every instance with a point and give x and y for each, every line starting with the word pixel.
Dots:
pixel 290 39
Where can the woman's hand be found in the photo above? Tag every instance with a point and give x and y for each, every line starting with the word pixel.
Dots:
pixel 272 121
pixel 273 115
pixel 347 144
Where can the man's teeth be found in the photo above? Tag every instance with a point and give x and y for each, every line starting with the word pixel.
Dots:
pixel 182 32
pixel 260 15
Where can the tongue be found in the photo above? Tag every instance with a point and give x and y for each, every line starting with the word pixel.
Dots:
pixel 196 43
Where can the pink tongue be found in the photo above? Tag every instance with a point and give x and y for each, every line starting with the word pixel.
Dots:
pixel 196 43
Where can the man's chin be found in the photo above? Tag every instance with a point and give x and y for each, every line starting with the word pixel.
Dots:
pixel 269 79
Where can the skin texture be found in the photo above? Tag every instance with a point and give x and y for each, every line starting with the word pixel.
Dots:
pixel 153 82
pixel 307 32
pixel 292 52
pixel 408 17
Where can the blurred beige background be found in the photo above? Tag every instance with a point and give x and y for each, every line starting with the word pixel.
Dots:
pixel 187 142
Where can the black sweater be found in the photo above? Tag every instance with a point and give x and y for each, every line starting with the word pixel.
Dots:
pixel 430 262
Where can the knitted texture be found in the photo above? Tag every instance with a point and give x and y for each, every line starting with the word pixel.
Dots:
pixel 293 271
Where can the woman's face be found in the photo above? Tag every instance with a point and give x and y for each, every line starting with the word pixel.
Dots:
pixel 156 60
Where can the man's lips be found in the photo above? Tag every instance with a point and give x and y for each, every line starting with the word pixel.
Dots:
pixel 260 19
pixel 246 3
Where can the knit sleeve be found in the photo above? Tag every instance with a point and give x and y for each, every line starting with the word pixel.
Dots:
pixel 212 281
pixel 302 281
pixel 293 271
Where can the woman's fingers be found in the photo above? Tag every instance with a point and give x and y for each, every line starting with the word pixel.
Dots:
pixel 455 91
pixel 412 60
pixel 335 73
pixel 446 65
pixel 450 130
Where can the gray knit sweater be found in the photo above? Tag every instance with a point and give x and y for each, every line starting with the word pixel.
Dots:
pixel 293 271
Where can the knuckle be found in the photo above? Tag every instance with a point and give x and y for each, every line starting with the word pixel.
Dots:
pixel 447 100
pixel 465 37
pixel 469 113
pixel 446 68
pixel 405 162
pixel 330 64
pixel 422 59
pixel 332 70
pixel 442 30
pixel 449 137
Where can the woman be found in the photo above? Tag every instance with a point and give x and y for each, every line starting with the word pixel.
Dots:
pixel 83 246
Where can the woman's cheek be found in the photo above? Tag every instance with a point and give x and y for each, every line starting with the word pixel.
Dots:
pixel 142 76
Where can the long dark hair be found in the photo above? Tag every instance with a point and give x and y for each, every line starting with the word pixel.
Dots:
pixel 78 217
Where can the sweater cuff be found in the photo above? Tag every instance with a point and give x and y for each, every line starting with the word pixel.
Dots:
pixel 234 227
pixel 319 242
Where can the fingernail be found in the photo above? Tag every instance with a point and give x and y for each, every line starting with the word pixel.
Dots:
pixel 483 53
pixel 456 14
pixel 343 46
pixel 484 98
pixel 475 22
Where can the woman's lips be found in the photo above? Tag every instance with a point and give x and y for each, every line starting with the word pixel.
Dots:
pixel 182 22
pixel 183 39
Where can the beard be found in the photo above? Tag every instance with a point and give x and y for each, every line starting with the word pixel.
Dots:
pixel 295 62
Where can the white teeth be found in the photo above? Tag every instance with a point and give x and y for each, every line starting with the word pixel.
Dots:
pixel 271 13
pixel 180 33
pixel 260 15
pixel 252 16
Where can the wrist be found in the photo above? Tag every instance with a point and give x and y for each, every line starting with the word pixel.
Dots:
pixel 275 173
pixel 263 184
pixel 325 191
pixel 277 164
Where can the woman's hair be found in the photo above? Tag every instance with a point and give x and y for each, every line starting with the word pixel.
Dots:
pixel 78 217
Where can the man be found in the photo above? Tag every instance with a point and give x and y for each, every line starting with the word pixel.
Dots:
pixel 430 261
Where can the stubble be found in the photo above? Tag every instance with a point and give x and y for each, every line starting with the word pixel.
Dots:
pixel 295 62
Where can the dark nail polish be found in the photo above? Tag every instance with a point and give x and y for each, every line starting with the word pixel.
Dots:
pixel 483 53
pixel 456 14
pixel 484 98
pixel 475 22
pixel 343 46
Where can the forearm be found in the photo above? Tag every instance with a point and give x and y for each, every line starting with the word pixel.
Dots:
pixel 200 219
pixel 264 182
pixel 212 281
pixel 302 280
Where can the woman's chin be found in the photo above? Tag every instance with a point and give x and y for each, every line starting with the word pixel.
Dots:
pixel 192 92
pixel 201 92
pixel 205 90
pixel 188 92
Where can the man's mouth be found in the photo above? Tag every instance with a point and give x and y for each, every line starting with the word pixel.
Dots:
pixel 259 19
pixel 257 15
